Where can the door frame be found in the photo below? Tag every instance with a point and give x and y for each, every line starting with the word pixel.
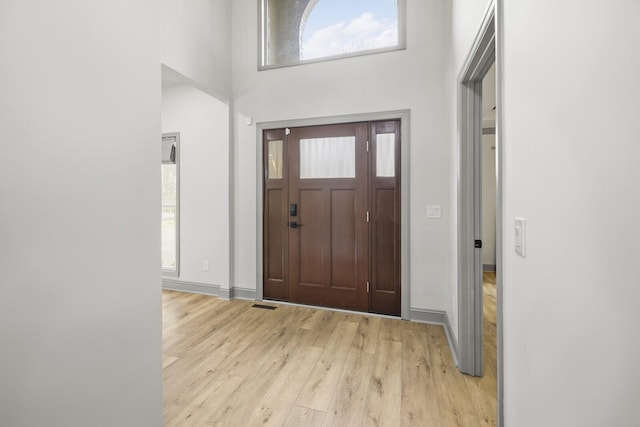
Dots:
pixel 478 62
pixel 485 51
pixel 404 117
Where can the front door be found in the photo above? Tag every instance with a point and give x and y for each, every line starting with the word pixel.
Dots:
pixel 331 216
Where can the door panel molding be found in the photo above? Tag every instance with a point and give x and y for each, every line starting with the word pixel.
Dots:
pixel 404 117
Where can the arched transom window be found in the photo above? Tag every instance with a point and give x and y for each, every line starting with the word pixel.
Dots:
pixel 296 31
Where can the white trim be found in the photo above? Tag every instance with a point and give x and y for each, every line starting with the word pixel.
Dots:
pixel 404 116
pixel 469 82
pixel 191 287
pixel 500 138
pixel 243 293
pixel 435 317
pixel 470 335
pixel 231 194
pixel 451 339
pixel 207 289
pixel 489 267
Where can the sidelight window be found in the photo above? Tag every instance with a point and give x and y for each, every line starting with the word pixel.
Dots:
pixel 385 154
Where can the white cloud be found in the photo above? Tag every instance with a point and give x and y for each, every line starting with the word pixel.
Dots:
pixel 362 33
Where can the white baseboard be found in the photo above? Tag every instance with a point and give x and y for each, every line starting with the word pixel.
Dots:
pixel 437 317
pixel 192 287
pixel 244 293
pixel 489 267
pixel 451 338
pixel 206 289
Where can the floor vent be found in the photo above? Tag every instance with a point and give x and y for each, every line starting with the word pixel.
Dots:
pixel 266 307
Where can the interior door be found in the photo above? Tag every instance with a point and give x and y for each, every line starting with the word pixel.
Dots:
pixel 328 229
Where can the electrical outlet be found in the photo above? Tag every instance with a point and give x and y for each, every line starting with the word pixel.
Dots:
pixel 205 265
pixel 433 211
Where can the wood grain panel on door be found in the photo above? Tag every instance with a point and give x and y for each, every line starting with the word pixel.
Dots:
pixel 343 239
pixel 310 237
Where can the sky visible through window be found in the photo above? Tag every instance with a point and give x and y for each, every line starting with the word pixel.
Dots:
pixel 337 27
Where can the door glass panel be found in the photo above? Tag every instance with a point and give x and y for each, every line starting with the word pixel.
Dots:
pixel 275 159
pixel 328 157
pixel 385 155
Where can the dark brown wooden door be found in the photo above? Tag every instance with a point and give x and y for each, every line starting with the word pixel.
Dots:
pixel 328 238
pixel 332 216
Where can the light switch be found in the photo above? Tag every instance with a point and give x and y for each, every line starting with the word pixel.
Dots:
pixel 433 211
pixel 520 236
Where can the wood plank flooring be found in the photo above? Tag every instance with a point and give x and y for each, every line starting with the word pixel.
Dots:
pixel 229 364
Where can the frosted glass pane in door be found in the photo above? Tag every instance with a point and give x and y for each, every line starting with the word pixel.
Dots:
pixel 328 157
pixel 275 159
pixel 385 155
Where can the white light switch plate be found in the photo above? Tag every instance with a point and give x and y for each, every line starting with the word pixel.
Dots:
pixel 520 236
pixel 433 211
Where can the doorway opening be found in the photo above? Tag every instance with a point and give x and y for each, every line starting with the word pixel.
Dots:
pixel 488 219
pixel 470 242
pixel 480 61
pixel 331 221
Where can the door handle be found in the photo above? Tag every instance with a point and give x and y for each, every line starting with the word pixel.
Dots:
pixel 294 224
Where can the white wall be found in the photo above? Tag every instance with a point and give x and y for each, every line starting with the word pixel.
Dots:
pixel 203 123
pixel 196 42
pixel 466 18
pixel 571 306
pixel 489 200
pixel 410 79
pixel 80 316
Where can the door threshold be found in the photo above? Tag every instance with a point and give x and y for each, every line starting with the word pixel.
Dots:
pixel 338 310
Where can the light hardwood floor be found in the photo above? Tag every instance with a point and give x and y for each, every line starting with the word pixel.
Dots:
pixel 229 364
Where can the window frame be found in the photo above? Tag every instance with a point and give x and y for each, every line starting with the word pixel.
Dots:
pixel 169 272
pixel 262 40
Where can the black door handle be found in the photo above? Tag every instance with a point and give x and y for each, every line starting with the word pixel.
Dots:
pixel 294 224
